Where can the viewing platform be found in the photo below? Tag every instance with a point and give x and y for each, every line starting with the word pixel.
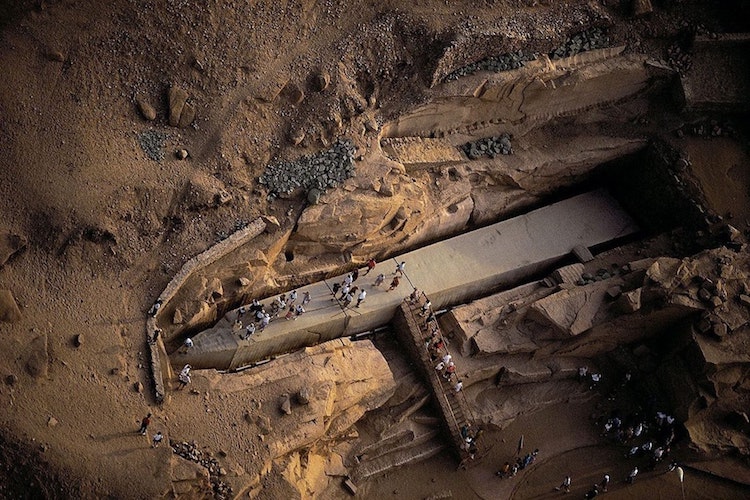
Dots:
pixel 449 272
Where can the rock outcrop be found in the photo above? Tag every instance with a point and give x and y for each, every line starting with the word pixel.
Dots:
pixel 341 380
pixel 683 321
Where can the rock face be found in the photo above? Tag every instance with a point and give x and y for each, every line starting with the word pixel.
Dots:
pixel 527 337
pixel 340 380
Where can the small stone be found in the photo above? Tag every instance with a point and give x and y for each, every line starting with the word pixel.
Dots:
pixel 320 81
pixel 182 154
pixel 703 326
pixel 138 387
pixel 11 379
pixel 303 397
pixel 244 282
pixel 285 404
pixel 147 110
pixel 614 291
pixel 52 422
pixel 78 340
pixel 222 471
pixel 114 371
pixel 55 55
pixel 297 137
pixel 313 196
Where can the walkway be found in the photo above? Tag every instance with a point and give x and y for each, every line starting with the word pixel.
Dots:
pixel 413 331
pixel 450 272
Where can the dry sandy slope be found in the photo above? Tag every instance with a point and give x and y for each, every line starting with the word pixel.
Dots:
pixel 104 223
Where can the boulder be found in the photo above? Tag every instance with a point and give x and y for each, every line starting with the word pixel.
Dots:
pixel 303 397
pixel 37 360
pixel 9 311
pixel 78 340
pixel 320 81
pixel 181 112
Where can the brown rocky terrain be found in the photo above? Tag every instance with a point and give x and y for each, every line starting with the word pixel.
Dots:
pixel 136 136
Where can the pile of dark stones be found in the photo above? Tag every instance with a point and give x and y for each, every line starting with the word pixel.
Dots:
pixel 504 62
pixel 152 143
pixel 488 146
pixel 313 173
pixel 594 38
pixel 190 451
pixel 679 59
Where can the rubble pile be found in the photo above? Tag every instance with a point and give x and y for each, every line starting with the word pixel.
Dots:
pixel 489 146
pixel 504 62
pixel 583 41
pixel 316 172
pixel 190 451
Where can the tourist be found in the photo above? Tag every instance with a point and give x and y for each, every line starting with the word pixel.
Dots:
pixel 344 290
pixel 394 284
pixel 144 424
pixel 155 308
pixel 426 307
pixel 400 268
pixel 347 299
pixel 334 290
pixel 237 326
pixel 184 377
pixel 414 296
pixel 605 482
pixel 289 313
pixel 264 322
pixel 280 302
pixel 513 470
pixel 439 367
pixel 348 279
pixel 275 309
pixel 241 312
pixel 459 385
pixel 582 372
pixel 631 476
pixel 298 311
pixel 361 297
pixel 292 298
pixel 450 369
pixel 188 344
pixel 595 379
pixel 379 280
pixel 249 330
pixel 447 358
pixel 157 332
pixel 256 306
pixel 355 275
pixel 565 486
pixel 504 470
pixel 306 298
pixel 156 441
pixel 638 430
pixel 594 491
pixel 260 313
pixel 370 266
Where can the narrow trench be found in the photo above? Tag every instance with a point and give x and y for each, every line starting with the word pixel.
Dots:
pixel 643 183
